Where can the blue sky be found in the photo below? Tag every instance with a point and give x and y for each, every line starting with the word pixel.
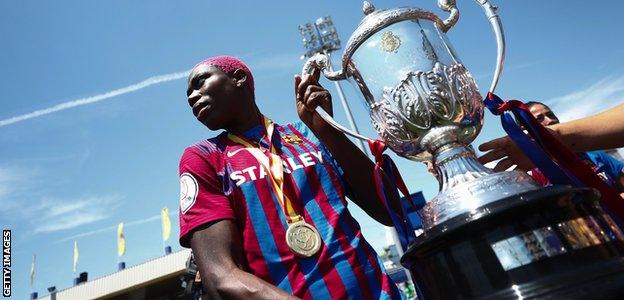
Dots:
pixel 74 173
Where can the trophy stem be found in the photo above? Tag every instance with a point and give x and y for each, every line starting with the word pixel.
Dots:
pixel 465 184
pixel 457 164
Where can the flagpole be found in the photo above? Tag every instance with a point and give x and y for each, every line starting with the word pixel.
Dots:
pixel 32 273
pixel 166 229
pixel 162 228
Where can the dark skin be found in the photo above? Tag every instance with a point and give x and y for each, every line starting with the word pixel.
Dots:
pixel 223 101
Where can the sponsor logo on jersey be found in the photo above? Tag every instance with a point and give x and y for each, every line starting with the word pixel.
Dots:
pixel 291 164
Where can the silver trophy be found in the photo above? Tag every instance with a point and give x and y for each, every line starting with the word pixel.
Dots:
pixel 424 103
pixel 487 235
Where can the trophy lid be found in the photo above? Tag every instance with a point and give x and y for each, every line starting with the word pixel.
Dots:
pixel 376 20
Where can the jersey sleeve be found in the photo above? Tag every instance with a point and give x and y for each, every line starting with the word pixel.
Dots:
pixel 202 199
pixel 613 167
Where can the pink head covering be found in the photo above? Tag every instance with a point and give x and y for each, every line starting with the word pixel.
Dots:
pixel 228 64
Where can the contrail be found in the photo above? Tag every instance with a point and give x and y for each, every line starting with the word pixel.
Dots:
pixel 88 100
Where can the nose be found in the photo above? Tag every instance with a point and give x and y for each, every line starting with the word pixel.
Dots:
pixel 193 97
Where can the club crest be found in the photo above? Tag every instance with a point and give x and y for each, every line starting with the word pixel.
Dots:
pixel 292 139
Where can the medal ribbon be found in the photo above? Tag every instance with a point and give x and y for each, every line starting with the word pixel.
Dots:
pixel 273 166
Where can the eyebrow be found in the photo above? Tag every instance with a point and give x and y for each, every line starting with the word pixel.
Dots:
pixel 193 80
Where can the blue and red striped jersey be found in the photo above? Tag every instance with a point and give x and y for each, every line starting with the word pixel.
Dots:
pixel 220 180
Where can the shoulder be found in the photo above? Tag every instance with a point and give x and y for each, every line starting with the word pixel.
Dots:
pixel 204 149
pixel 599 156
pixel 202 155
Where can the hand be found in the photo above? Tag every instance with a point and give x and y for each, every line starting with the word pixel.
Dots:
pixel 506 149
pixel 309 94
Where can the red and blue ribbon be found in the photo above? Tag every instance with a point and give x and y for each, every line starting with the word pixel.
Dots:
pixel 384 164
pixel 556 161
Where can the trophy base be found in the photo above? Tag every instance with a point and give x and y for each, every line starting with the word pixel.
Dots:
pixel 554 242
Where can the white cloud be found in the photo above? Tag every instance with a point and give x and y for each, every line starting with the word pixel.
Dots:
pixel 55 215
pixel 97 98
pixel 13 181
pixel 604 94
pixel 277 61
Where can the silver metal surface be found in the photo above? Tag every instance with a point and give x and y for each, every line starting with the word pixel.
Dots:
pixel 497 27
pixel 449 6
pixel 466 185
pixel 347 109
pixel 423 102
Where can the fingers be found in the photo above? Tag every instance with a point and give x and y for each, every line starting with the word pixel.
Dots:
pixel 301 87
pixel 308 80
pixel 492 156
pixel 297 82
pixel 503 165
pixel 494 144
pixel 315 99
pixel 311 89
pixel 316 75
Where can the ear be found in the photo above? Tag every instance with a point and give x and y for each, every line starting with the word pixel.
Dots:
pixel 240 77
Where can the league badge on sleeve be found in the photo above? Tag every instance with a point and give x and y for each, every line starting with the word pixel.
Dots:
pixel 188 192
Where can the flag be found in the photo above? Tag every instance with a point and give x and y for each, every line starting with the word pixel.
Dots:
pixel 166 223
pixel 76 254
pixel 32 272
pixel 121 240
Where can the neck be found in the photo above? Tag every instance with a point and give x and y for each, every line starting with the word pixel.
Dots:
pixel 247 121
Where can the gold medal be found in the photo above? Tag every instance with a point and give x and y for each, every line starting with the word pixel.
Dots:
pixel 303 239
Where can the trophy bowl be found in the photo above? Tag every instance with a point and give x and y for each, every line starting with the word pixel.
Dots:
pixel 424 103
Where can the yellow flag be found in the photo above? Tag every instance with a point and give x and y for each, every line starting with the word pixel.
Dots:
pixel 121 240
pixel 166 223
pixel 76 254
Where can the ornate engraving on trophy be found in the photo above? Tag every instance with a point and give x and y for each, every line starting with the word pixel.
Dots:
pixel 424 100
pixel 390 42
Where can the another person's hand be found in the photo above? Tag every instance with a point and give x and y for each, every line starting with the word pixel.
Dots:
pixel 309 94
pixel 504 148
pixel 431 168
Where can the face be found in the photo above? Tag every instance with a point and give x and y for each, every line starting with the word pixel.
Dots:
pixel 543 115
pixel 212 95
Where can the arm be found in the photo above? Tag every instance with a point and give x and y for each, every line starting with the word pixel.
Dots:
pixel 207 226
pixel 602 131
pixel 358 168
pixel 218 251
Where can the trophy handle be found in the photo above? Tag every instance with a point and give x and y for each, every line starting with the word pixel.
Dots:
pixel 321 61
pixel 497 27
